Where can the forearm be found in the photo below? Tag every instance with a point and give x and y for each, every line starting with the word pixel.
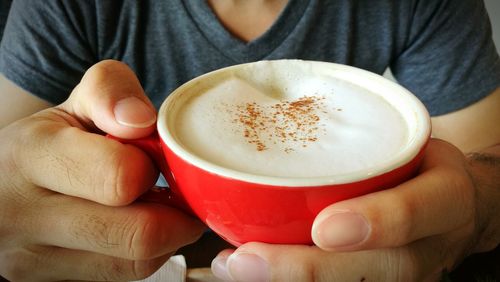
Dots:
pixel 17 103
pixel 484 168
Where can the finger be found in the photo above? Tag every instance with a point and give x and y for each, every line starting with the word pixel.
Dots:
pixel 111 97
pixel 139 231
pixel 57 264
pixel 219 265
pixel 71 161
pixel 437 201
pixel 267 262
pixel 55 153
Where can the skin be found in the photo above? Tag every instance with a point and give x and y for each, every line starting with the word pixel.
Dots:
pixel 69 195
pixel 247 20
pixel 85 224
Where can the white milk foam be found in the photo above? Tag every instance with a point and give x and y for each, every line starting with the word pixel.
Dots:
pixel 314 126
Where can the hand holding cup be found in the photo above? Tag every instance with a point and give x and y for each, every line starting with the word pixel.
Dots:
pixel 68 195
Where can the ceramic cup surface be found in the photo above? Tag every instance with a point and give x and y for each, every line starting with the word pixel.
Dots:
pixel 257 150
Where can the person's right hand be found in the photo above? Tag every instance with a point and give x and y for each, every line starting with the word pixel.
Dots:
pixel 67 194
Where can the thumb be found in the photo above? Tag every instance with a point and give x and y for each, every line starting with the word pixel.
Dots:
pixel 110 97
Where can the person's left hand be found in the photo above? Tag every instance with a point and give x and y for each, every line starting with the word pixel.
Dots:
pixel 412 232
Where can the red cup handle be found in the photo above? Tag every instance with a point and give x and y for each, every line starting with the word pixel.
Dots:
pixel 168 196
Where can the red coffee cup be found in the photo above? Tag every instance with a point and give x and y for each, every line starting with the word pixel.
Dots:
pixel 242 206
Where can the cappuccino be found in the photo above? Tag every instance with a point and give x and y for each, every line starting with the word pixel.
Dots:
pixel 281 121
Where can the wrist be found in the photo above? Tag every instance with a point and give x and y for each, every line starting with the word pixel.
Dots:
pixel 484 169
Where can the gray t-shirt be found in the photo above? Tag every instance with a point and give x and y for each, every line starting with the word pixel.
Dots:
pixel 4 11
pixel 440 50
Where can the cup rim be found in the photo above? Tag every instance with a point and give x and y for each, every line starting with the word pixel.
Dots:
pixel 414 146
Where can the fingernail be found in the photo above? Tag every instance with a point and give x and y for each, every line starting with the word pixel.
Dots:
pixel 247 267
pixel 340 230
pixel 133 112
pixel 219 268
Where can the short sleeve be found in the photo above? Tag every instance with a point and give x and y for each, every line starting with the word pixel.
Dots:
pixel 48 45
pixel 450 60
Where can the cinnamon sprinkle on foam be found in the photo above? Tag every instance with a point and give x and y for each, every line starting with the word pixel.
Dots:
pixel 292 123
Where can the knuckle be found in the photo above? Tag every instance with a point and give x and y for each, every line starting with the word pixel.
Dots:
pixel 403 218
pixel 401 215
pixel 142 237
pixel 94 230
pixel 133 237
pixel 125 175
pixel 115 192
pixel 464 194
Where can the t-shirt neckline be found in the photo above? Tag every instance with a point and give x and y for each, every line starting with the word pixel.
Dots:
pixel 236 49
